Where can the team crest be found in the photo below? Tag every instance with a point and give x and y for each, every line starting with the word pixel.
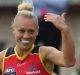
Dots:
pixel 10 71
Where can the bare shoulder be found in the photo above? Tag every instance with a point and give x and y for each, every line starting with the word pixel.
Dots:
pixel 46 50
pixel 1 57
pixel 53 55
pixel 2 53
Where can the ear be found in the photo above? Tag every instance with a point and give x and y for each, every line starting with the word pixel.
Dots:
pixel 12 30
pixel 37 33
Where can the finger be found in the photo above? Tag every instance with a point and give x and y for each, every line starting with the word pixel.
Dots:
pixel 46 19
pixel 49 14
pixel 63 14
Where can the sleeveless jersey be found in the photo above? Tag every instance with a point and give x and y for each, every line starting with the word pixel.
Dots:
pixel 30 65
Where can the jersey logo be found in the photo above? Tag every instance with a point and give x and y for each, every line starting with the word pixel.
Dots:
pixel 10 71
pixel 33 70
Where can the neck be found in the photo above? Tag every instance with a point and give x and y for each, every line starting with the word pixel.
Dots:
pixel 21 52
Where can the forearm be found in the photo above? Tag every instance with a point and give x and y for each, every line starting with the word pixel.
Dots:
pixel 68 47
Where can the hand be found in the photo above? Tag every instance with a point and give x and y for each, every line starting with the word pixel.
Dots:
pixel 57 20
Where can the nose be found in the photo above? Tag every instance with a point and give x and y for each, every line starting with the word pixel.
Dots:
pixel 26 35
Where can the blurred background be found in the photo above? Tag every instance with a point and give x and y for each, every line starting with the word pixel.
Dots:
pixel 48 35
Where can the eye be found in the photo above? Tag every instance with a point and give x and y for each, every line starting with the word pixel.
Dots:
pixel 21 30
pixel 31 31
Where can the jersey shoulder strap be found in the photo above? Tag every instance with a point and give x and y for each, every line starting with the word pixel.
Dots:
pixel 36 49
pixel 9 51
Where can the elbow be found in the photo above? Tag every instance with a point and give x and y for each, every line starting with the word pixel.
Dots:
pixel 71 63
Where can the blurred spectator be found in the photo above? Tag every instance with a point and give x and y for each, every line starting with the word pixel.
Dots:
pixel 54 6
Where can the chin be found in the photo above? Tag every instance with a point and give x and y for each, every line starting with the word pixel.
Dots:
pixel 26 47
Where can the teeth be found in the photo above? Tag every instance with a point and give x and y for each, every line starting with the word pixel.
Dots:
pixel 25 41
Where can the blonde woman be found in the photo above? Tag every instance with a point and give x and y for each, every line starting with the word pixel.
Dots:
pixel 27 59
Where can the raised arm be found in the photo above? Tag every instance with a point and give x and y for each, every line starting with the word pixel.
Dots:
pixel 65 57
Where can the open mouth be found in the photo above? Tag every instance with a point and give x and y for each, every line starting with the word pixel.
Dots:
pixel 25 42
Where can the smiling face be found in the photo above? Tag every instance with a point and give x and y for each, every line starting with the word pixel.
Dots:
pixel 25 32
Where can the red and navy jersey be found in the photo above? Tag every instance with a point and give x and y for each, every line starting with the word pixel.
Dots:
pixel 26 65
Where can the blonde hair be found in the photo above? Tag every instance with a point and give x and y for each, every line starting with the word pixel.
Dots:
pixel 27 10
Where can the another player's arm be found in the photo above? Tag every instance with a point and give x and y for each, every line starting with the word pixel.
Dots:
pixel 1 59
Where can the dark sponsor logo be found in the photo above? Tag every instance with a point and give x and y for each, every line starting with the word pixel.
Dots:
pixel 33 70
